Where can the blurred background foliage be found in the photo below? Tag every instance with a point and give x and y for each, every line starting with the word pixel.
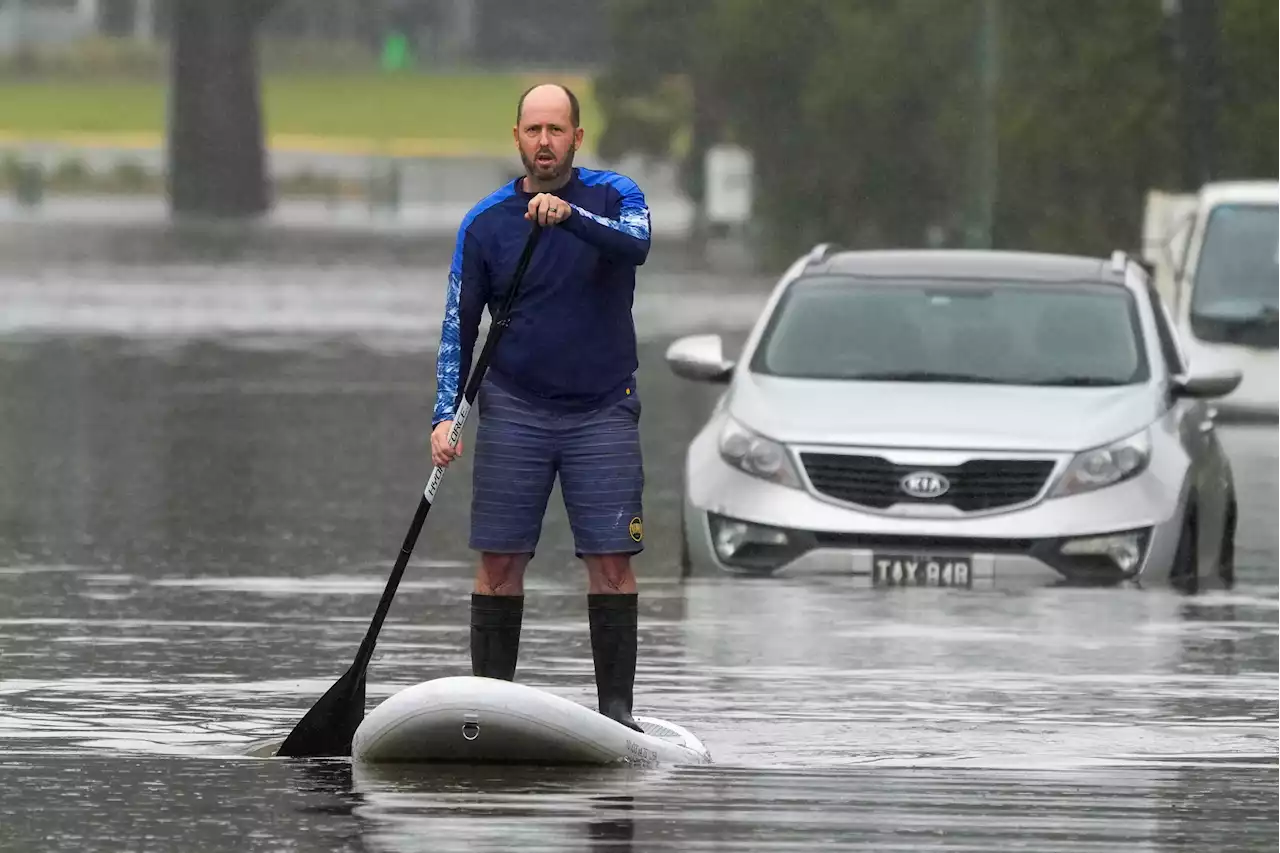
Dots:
pixel 1036 124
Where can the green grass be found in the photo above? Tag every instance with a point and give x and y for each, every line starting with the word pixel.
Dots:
pixel 409 113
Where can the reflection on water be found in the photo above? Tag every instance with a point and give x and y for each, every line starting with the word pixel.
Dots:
pixel 193 538
pixel 153 804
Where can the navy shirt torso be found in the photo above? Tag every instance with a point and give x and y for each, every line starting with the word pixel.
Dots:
pixel 571 343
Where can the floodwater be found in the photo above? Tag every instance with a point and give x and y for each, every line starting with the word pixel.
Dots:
pixel 205 483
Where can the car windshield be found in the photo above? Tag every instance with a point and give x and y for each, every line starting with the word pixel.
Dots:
pixel 1016 333
pixel 1235 277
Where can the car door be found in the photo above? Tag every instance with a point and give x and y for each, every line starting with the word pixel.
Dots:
pixel 1197 430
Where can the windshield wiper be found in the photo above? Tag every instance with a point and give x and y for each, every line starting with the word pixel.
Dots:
pixel 1079 382
pixel 1265 315
pixel 923 376
pixel 1257 328
pixel 1262 317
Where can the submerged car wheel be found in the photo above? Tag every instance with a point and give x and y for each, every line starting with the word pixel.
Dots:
pixel 1227 550
pixel 1184 575
pixel 686 565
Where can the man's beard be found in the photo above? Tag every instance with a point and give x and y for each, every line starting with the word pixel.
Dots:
pixel 550 172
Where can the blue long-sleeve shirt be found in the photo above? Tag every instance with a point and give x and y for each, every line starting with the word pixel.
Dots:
pixel 571 343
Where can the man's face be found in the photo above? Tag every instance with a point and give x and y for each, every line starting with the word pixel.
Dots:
pixel 545 134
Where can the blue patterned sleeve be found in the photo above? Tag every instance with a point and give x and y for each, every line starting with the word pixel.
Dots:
pixel 625 238
pixel 467 294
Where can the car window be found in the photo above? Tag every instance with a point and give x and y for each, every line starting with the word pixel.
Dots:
pixel 1021 333
pixel 1235 275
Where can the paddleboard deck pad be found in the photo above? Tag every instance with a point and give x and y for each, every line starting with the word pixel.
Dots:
pixel 471 720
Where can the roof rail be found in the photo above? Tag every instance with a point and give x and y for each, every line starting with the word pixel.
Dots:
pixel 819 253
pixel 1119 260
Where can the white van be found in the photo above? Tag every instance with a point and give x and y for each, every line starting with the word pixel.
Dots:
pixel 1215 259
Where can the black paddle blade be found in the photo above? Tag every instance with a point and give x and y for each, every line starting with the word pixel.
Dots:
pixel 327 729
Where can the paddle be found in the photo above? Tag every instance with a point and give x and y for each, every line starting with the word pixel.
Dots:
pixel 327 729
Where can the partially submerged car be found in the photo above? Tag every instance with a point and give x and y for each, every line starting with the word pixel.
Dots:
pixel 952 418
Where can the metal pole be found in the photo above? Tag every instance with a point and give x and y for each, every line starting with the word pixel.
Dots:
pixel 1197 29
pixel 988 140
pixel 144 20
pixel 18 28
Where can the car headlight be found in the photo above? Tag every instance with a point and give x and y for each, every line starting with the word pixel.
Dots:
pixel 756 455
pixel 1105 466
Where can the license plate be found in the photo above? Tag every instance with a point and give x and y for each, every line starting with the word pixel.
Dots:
pixel 911 570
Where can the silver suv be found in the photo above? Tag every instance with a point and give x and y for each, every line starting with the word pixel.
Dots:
pixel 955 418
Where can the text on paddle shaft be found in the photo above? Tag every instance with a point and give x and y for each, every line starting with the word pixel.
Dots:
pixel 455 432
pixel 458 420
pixel 437 474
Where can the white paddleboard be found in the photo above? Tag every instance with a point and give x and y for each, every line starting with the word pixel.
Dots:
pixel 469 720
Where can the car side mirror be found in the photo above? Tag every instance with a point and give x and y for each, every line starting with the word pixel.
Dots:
pixel 700 358
pixel 1202 386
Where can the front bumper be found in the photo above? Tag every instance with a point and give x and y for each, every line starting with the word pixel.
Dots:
pixel 739 524
pixel 740 547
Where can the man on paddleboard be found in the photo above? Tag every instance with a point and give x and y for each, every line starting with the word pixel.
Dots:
pixel 559 397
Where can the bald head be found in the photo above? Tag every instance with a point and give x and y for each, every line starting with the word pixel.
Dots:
pixel 549 98
pixel 547 135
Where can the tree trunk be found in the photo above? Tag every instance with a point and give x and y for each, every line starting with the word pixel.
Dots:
pixel 217 157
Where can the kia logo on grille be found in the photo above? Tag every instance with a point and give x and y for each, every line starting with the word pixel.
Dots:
pixel 924 484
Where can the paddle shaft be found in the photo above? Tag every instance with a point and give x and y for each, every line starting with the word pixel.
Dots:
pixel 474 380
pixel 328 728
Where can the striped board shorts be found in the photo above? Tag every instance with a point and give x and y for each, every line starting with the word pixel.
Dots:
pixel 519 451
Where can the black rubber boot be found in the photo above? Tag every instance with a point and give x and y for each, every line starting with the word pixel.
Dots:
pixel 495 635
pixel 613 646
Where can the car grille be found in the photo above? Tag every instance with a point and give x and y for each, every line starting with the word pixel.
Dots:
pixel 976 485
